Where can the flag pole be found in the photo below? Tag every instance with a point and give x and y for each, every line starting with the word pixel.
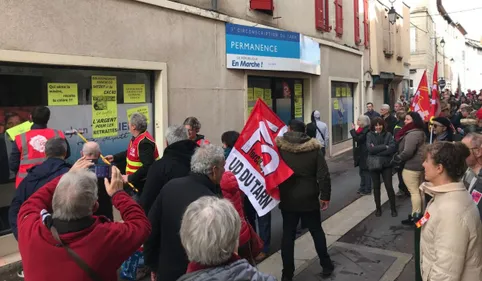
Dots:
pixel 431 133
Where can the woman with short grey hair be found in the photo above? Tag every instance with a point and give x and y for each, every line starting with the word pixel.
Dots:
pixel 360 153
pixel 210 234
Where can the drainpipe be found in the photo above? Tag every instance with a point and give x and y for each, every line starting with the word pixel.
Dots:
pixel 214 5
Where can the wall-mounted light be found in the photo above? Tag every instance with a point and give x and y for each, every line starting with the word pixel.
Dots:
pixel 452 60
pixel 442 43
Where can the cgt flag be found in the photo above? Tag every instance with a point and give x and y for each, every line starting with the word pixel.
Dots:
pixel 435 104
pixel 255 159
pixel 421 102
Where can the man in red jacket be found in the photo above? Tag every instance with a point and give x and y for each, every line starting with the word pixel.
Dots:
pixel 101 244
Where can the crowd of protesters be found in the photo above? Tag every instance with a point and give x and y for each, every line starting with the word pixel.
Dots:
pixel 195 223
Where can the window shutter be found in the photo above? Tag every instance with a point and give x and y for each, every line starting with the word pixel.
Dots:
pixel 356 9
pixel 319 15
pixel 339 17
pixel 265 5
pixel 366 24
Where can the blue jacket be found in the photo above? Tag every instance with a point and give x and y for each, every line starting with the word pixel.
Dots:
pixel 37 177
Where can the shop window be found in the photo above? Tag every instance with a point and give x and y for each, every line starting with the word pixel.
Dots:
pixel 67 91
pixel 283 95
pixel 341 111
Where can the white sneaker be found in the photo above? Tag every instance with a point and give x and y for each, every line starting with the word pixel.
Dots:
pixel 20 273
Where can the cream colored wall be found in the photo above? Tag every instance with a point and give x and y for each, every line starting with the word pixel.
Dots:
pixel 400 40
pixel 292 15
pixel 424 55
pixel 193 48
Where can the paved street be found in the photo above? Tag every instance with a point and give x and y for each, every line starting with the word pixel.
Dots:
pixel 377 247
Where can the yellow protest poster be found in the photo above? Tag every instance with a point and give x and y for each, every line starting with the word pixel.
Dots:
pixel 104 106
pixel 250 94
pixel 19 129
pixel 338 92
pixel 267 97
pixel 336 105
pixel 343 92
pixel 298 100
pixel 258 93
pixel 134 93
pixel 62 94
pixel 144 110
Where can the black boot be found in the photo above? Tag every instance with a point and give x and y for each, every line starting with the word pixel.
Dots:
pixel 378 212
pixel 408 221
pixel 394 212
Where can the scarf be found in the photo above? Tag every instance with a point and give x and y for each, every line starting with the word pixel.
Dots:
pixel 404 130
pixel 359 130
pixel 194 266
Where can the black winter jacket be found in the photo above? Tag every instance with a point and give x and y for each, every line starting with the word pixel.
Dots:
pixel 37 177
pixel 163 251
pixel 382 145
pixel 311 179
pixel 175 163
pixel 360 151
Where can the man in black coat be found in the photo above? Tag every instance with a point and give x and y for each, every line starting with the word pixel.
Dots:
pixel 303 194
pixel 163 251
pixel 360 153
pixel 175 163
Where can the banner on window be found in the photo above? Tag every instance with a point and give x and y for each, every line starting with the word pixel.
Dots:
pixel 255 159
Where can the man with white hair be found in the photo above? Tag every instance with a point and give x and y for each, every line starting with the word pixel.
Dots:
pixel 163 251
pixel 473 176
pixel 70 243
pixel 388 117
pixel 91 151
pixel 175 163
pixel 140 154
pixel 210 235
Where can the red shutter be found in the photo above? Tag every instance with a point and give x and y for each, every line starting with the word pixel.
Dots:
pixel 356 9
pixel 319 15
pixel 366 24
pixel 339 17
pixel 265 5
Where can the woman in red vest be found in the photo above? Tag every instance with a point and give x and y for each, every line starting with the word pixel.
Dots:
pixel 140 154
pixel 193 126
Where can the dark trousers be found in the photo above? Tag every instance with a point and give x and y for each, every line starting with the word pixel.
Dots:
pixel 401 185
pixel 264 224
pixel 312 221
pixel 365 180
pixel 376 176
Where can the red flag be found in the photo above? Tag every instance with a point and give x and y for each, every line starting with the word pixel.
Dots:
pixel 421 102
pixel 435 104
pixel 255 159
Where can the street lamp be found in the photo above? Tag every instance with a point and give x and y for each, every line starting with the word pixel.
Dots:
pixel 442 43
pixel 392 16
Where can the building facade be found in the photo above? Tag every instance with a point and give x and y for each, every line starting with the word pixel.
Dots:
pixel 473 65
pixel 389 52
pixel 174 59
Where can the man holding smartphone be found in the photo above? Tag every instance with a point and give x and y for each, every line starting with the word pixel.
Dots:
pixel 91 151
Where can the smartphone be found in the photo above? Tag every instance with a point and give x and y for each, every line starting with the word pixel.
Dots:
pixel 102 171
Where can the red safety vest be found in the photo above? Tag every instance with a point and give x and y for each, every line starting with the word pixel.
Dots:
pixel 202 142
pixel 133 159
pixel 31 145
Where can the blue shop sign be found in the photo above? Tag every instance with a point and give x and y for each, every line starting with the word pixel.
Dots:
pixel 270 49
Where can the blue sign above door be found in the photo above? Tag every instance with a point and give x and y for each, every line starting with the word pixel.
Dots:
pixel 270 49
